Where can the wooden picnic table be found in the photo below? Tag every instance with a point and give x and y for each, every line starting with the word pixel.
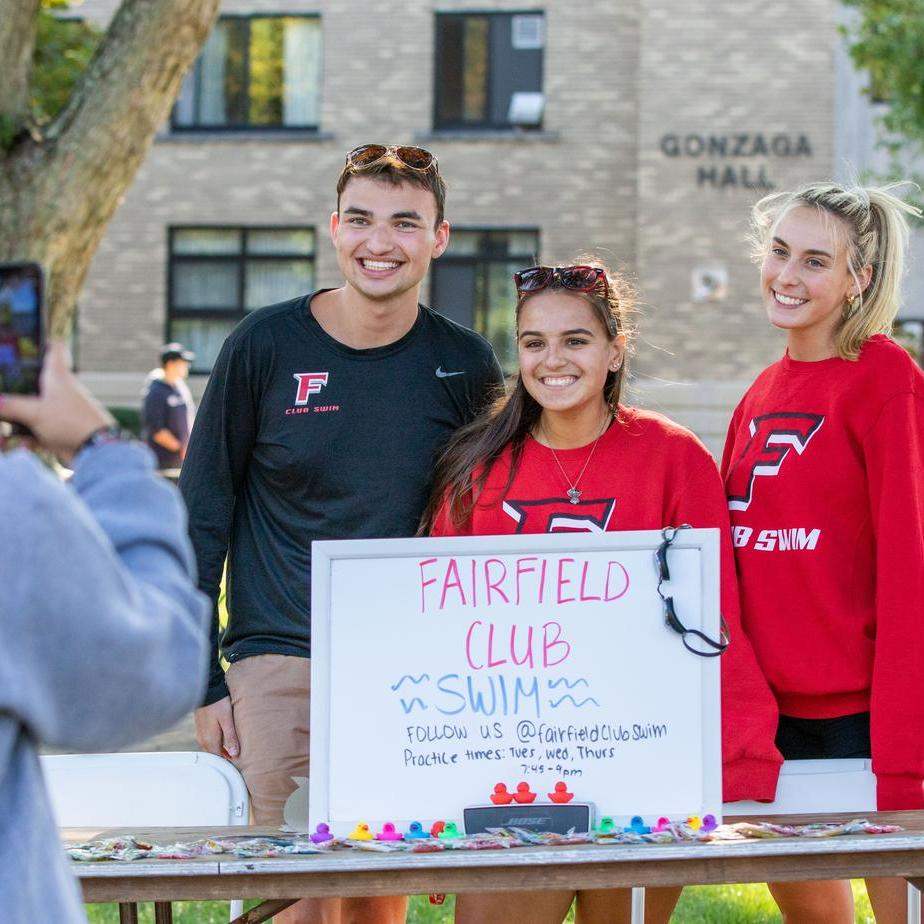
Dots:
pixel 282 880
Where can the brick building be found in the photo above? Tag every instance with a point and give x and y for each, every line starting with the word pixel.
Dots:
pixel 639 130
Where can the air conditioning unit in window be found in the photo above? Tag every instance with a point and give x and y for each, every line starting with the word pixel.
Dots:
pixel 526 109
pixel 527 31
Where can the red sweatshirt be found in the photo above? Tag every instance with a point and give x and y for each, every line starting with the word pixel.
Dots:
pixel 824 472
pixel 646 473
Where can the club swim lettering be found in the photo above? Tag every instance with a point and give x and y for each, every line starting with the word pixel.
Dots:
pixel 533 580
pixel 776 540
pixel 422 697
pixel 518 649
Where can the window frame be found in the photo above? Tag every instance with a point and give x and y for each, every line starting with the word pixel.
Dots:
pixel 239 258
pixel 438 93
pixel 237 128
pixel 485 260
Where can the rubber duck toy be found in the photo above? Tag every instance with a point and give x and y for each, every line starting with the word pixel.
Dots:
pixel 500 796
pixel 561 794
pixel 416 832
pixel 695 822
pixel 709 823
pixel 662 824
pixel 450 832
pixel 523 795
pixel 606 825
pixel 436 829
pixel 637 826
pixel 360 833
pixel 321 834
pixel 389 833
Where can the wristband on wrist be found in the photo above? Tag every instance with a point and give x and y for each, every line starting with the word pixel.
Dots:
pixel 101 436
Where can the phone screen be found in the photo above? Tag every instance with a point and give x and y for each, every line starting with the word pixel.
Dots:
pixel 20 327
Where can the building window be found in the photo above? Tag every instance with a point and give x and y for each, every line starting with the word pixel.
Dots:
pixel 259 72
pixel 218 275
pixel 489 70
pixel 472 283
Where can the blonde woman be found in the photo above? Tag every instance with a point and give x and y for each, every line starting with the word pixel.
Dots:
pixel 824 474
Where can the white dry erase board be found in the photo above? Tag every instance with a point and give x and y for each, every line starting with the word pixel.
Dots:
pixel 443 666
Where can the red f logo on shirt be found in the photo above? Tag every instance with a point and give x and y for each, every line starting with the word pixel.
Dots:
pixel 773 437
pixel 559 515
pixel 309 383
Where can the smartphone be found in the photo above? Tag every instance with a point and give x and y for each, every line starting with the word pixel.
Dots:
pixel 21 328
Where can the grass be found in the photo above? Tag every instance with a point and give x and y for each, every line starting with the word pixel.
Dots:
pixel 731 904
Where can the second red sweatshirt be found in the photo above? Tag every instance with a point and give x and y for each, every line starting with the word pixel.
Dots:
pixel 824 471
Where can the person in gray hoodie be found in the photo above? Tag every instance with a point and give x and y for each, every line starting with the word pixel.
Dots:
pixel 102 632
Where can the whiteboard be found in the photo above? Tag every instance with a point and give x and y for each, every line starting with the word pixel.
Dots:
pixel 442 666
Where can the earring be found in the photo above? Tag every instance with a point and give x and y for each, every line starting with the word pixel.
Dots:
pixel 615 367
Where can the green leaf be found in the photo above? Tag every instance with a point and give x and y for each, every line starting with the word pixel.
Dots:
pixel 64 46
pixel 887 41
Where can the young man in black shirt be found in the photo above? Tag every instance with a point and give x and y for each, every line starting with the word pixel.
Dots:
pixel 322 420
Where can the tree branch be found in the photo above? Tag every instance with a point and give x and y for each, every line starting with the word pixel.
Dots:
pixel 17 41
pixel 93 150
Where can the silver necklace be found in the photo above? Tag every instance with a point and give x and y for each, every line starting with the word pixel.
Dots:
pixel 574 494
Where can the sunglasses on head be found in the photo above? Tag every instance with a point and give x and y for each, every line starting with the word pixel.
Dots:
pixel 368 154
pixel 576 278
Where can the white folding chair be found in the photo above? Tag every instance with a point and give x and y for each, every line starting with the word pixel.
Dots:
pixel 809 787
pixel 152 789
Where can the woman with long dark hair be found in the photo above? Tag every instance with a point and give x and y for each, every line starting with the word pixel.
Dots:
pixel 562 437
pixel 824 472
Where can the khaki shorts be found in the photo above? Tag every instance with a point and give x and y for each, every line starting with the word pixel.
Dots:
pixel 270 699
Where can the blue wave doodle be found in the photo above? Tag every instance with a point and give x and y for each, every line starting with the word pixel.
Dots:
pixel 564 680
pixel 410 677
pixel 577 705
pixel 408 706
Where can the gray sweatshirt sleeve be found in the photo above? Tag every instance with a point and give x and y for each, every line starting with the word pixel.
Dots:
pixel 102 632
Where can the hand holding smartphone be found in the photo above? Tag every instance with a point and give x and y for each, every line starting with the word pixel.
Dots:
pixel 21 328
pixel 64 414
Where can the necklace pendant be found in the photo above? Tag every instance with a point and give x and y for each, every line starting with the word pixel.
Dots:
pixel 574 495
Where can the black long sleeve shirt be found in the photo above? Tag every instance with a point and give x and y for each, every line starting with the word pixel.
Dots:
pixel 299 437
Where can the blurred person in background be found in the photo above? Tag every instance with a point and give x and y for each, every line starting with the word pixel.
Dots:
pixel 102 632
pixel 168 409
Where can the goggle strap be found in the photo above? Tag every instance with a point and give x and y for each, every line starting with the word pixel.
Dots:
pixel 669 534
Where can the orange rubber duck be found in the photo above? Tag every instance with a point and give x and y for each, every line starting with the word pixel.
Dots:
pixel 500 796
pixel 523 795
pixel 561 794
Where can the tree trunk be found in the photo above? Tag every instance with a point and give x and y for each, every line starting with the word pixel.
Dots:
pixel 58 192
pixel 17 40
